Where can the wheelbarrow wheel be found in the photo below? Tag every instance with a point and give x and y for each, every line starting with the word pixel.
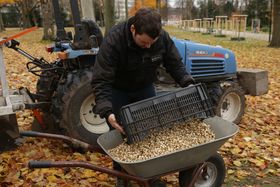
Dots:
pixel 213 176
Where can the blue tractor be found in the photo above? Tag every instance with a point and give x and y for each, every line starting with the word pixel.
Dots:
pixel 64 100
pixel 216 67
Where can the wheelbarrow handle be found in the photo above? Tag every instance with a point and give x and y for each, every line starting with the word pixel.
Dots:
pixel 39 164
pixel 74 142
pixel 61 164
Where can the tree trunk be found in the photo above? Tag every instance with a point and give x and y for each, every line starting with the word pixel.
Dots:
pixel 109 15
pixel 26 7
pixel 236 5
pixel 88 9
pixel 25 14
pixel 188 12
pixel 47 18
pixel 165 11
pixel 158 5
pixel 206 8
pixel 25 19
pixel 100 7
pixel 275 41
pixel 2 28
pixel 126 9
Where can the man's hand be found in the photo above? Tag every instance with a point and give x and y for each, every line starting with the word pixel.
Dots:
pixel 186 81
pixel 112 120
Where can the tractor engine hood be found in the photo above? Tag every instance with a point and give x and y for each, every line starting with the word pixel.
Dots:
pixel 205 60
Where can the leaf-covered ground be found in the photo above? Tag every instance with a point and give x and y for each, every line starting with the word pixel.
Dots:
pixel 252 156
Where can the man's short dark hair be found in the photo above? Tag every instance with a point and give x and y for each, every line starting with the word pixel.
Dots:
pixel 148 21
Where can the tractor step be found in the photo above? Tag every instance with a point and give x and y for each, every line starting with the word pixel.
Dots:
pixel 253 81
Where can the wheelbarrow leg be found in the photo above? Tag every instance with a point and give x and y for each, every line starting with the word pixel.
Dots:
pixel 142 183
pixel 196 173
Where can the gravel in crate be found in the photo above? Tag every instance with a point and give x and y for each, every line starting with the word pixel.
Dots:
pixel 141 118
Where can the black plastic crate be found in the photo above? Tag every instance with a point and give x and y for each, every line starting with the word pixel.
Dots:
pixel 161 111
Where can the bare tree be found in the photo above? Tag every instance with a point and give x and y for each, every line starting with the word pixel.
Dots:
pixel 164 11
pixel 158 5
pixel 87 7
pixel 26 7
pixel 246 3
pixel 99 12
pixel 47 18
pixel 187 6
pixel 2 28
pixel 109 14
pixel 206 8
pixel 126 9
pixel 275 41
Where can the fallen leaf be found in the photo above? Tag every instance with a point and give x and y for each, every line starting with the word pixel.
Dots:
pixel 237 163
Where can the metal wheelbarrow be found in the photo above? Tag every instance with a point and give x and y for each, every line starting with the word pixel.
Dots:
pixel 197 166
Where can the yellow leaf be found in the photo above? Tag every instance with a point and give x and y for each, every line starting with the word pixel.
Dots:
pixel 259 121
pixel 227 144
pixel 241 174
pixel 258 162
pixel 271 171
pixel 88 173
pixel 94 158
pixel 79 156
pixel 51 178
pixel 230 171
pixel 247 139
pixel 235 150
pixel 1 169
pixel 170 178
pixel 92 180
pixel 102 177
pixel 67 176
pixel 237 163
pixel 260 174
pixel 24 171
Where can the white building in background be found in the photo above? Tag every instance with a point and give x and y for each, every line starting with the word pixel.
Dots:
pixel 120 8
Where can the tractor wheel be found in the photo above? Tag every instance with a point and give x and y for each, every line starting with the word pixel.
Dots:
pixel 229 102
pixel 212 176
pixel 46 85
pixel 72 108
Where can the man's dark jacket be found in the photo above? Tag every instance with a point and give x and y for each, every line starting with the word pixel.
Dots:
pixel 122 65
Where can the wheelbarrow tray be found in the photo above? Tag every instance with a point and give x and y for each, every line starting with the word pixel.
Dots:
pixel 174 161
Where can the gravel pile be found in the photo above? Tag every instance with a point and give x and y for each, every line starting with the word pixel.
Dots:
pixel 178 137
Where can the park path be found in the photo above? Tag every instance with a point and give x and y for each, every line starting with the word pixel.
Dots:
pixel 257 36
